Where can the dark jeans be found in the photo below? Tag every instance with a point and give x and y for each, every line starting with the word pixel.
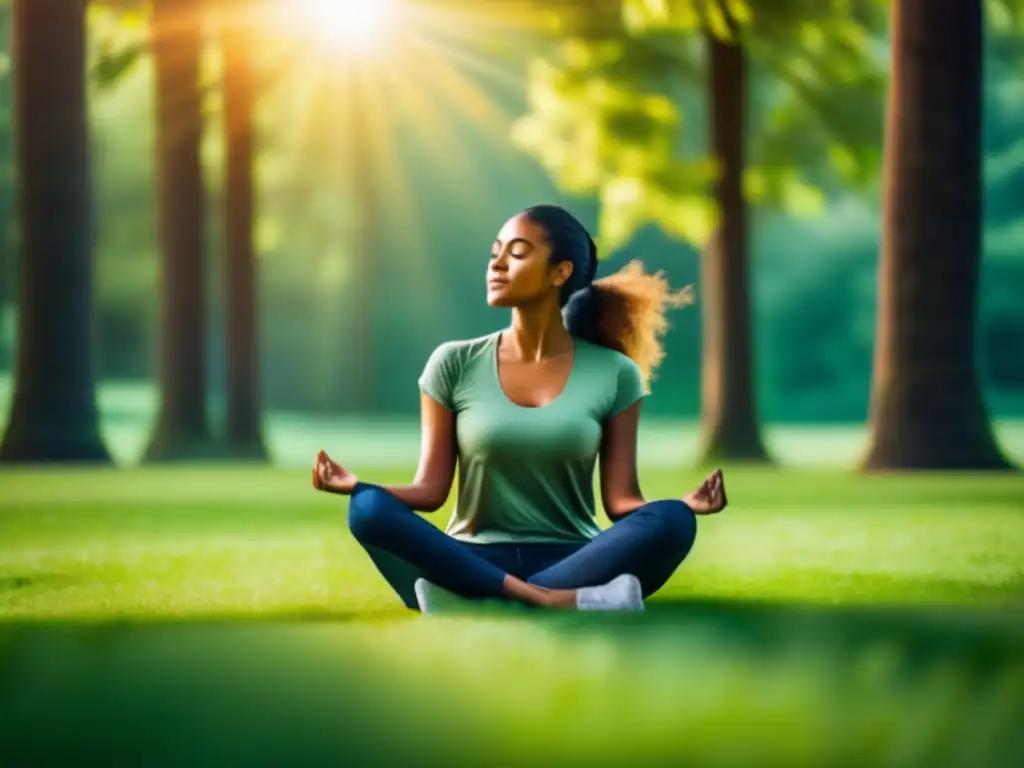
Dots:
pixel 650 543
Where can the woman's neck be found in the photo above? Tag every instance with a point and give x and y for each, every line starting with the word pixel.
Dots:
pixel 537 333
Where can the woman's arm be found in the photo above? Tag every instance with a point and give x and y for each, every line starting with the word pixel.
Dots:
pixel 620 487
pixel 433 481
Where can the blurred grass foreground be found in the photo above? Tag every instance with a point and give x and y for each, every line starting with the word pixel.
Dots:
pixel 223 615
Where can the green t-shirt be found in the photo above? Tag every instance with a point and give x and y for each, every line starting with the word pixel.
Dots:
pixel 527 474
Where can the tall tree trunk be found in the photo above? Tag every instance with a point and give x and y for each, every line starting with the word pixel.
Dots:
pixel 53 412
pixel 728 412
pixel 8 281
pixel 182 428
pixel 927 410
pixel 243 430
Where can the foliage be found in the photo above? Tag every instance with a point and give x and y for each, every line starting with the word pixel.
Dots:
pixel 119 39
pixel 1002 334
pixel 1006 30
pixel 606 118
pixel 443 193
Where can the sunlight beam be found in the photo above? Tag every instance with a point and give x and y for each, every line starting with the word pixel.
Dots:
pixel 359 26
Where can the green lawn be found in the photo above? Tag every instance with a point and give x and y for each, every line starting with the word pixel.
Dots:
pixel 223 615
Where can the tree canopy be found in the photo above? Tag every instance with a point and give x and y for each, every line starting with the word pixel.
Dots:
pixel 613 113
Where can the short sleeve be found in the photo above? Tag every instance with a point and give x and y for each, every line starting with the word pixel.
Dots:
pixel 630 386
pixel 440 375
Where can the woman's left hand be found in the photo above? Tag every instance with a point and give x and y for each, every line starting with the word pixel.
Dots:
pixel 709 498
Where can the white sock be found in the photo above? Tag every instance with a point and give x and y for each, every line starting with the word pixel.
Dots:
pixel 622 593
pixel 433 599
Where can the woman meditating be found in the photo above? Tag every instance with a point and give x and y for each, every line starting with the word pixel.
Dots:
pixel 526 412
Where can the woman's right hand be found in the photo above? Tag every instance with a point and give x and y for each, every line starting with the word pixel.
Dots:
pixel 330 476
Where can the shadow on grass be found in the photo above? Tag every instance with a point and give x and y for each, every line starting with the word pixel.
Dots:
pixel 754 624
pixel 986 635
pixel 761 619
pixel 391 688
pixel 212 691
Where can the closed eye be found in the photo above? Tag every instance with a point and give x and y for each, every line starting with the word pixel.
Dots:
pixel 519 248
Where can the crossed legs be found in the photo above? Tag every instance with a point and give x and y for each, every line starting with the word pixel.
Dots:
pixel 650 544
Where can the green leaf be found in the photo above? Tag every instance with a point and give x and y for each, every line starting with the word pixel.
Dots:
pixel 718 22
pixel 113 66
pixel 119 33
pixel 642 16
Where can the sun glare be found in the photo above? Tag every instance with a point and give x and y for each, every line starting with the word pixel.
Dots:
pixel 359 78
pixel 362 26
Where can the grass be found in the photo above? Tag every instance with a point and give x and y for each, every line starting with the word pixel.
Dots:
pixel 221 541
pixel 225 616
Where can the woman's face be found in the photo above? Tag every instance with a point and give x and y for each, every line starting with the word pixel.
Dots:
pixel 520 271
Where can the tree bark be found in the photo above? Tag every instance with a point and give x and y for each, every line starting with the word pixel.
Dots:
pixel 927 410
pixel 53 413
pixel 8 292
pixel 728 412
pixel 243 429
pixel 182 428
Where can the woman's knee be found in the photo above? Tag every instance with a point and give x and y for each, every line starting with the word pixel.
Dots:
pixel 368 508
pixel 677 526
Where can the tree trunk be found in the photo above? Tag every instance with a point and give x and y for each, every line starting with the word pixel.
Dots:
pixel 53 412
pixel 182 428
pixel 728 412
pixel 8 280
pixel 927 410
pixel 243 430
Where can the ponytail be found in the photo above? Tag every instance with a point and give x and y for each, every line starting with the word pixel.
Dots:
pixel 626 312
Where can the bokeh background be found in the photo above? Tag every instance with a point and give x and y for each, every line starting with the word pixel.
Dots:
pixel 381 178
pixel 231 233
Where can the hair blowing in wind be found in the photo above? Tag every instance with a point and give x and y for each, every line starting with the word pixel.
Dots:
pixel 629 313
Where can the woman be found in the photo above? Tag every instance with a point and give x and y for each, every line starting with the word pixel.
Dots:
pixel 525 412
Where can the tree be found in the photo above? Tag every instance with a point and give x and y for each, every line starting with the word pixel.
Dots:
pixel 243 432
pixel 927 410
pixel 621 76
pixel 8 280
pixel 239 33
pixel 728 411
pixel 53 412
pixel 182 428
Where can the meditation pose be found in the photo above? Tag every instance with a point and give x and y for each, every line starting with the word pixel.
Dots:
pixel 525 413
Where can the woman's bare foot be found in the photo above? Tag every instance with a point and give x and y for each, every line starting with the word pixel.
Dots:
pixel 622 593
pixel 709 497
pixel 542 597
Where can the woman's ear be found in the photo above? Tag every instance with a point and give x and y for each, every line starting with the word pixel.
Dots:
pixel 563 271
